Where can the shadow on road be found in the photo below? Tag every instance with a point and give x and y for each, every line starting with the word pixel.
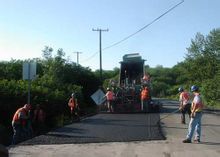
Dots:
pixel 212 125
pixel 211 143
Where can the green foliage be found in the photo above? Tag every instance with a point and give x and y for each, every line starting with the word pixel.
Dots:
pixel 108 75
pixel 159 89
pixel 201 67
pixel 11 70
pixel 203 64
pixel 211 91
pixel 47 52
pixel 181 73
pixel 162 79
pixel 56 80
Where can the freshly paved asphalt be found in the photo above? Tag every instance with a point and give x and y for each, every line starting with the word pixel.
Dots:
pixel 105 128
pixel 173 130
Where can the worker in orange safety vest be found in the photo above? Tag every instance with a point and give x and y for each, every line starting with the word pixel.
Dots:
pixel 145 99
pixel 19 123
pixel 196 116
pixel 110 97
pixel 74 107
pixel 185 105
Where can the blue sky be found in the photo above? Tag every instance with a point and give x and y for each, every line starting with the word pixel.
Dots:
pixel 26 26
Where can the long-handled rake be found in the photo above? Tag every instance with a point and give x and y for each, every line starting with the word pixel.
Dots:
pixel 169 114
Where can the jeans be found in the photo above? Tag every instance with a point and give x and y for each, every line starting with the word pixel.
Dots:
pixel 110 105
pixel 195 125
pixel 186 109
pixel 145 105
pixel 17 133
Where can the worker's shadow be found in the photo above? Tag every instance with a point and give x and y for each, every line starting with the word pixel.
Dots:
pixel 210 143
pixel 210 125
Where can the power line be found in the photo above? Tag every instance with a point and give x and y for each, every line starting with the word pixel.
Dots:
pixel 141 29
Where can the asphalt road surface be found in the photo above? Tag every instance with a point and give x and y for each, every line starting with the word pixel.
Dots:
pixel 140 145
pixel 105 128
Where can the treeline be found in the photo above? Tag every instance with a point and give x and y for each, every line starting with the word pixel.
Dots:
pixel 56 79
pixel 201 67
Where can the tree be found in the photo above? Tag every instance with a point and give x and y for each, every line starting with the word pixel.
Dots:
pixel 203 64
pixel 11 70
pixel 162 79
pixel 47 52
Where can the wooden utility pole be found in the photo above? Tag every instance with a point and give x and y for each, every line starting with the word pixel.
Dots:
pixel 77 53
pixel 100 47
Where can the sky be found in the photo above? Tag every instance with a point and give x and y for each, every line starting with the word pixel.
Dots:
pixel 27 26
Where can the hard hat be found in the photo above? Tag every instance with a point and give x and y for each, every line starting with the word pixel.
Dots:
pixel 73 94
pixel 194 88
pixel 108 88
pixel 180 89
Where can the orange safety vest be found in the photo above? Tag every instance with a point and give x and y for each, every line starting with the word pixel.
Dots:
pixel 184 97
pixel 145 94
pixel 16 119
pixel 72 103
pixel 197 104
pixel 110 95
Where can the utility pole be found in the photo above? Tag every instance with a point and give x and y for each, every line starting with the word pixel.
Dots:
pixel 100 47
pixel 77 53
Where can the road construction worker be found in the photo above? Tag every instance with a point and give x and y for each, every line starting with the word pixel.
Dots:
pixel 110 96
pixel 145 99
pixel 74 107
pixel 20 124
pixel 185 105
pixel 196 116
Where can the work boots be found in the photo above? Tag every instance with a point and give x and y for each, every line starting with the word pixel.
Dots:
pixel 187 141
pixel 197 141
pixel 183 120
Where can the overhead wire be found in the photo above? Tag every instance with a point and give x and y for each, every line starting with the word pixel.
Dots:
pixel 141 29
